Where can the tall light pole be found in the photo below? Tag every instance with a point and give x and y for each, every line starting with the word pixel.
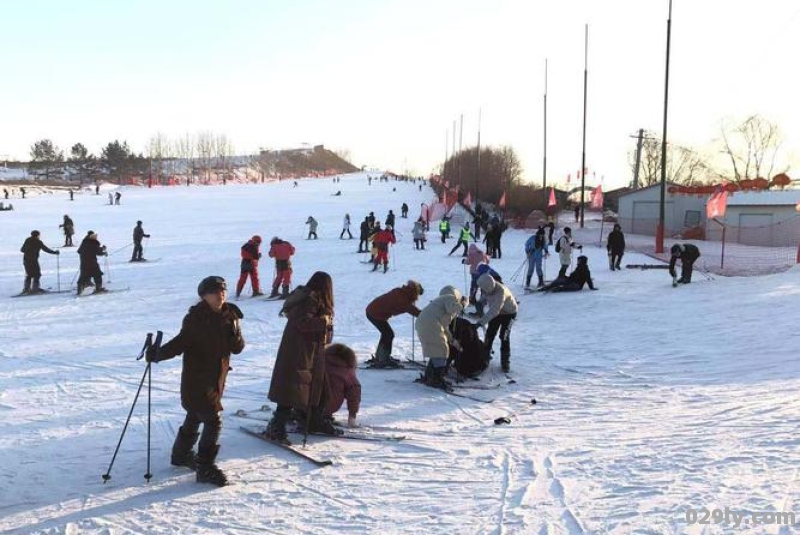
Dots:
pixel 585 85
pixel 544 157
pixel 660 229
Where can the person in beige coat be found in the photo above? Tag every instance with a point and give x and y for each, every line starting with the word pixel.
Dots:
pixel 432 327
pixel 501 311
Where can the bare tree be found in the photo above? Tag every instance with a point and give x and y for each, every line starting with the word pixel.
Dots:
pixel 684 165
pixel 205 153
pixel 751 147
pixel 159 150
pixel 185 150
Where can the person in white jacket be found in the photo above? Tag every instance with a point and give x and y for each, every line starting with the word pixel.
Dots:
pixel 346 227
pixel 500 313
pixel 432 328
pixel 564 247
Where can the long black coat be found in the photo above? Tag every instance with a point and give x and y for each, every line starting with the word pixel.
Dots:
pixel 207 340
pixel 89 251
pixel 30 255
pixel 616 242
pixel 300 362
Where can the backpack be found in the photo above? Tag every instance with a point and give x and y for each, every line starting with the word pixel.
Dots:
pixel 558 245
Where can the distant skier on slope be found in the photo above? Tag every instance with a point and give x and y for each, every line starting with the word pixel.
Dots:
pixel 69 230
pixel 419 234
pixel 363 237
pixel 346 227
pixel 89 250
pixel 382 240
pixel 210 333
pixel 251 254
pixel 30 260
pixel 138 235
pixel 312 227
pixel 282 252
pixel 463 239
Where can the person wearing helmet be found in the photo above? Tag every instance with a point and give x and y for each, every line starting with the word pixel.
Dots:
pixel 210 333
pixel 138 250
pixel 30 260
pixel 249 267
pixel 282 252
pixel 687 254
pixel 383 238
pixel 398 301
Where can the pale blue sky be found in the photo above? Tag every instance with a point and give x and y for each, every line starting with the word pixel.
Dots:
pixel 386 79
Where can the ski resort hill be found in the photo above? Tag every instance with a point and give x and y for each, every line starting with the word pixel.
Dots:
pixel 651 402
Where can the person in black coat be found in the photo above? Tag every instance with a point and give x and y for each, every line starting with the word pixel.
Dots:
pixel 363 243
pixel 576 280
pixel 404 211
pixel 30 259
pixel 89 250
pixel 210 333
pixel 615 247
pixel 687 254
pixel 138 250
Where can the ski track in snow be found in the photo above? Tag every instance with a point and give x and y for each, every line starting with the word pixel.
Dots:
pixel 650 399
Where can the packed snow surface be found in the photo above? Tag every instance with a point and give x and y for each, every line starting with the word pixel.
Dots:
pixel 650 400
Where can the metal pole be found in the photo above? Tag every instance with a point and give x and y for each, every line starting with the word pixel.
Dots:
pixel 544 158
pixel 460 138
pixel 585 84
pixel 58 272
pixel 478 173
pixel 660 229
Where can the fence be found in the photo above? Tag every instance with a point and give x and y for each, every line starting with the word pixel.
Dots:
pixel 738 251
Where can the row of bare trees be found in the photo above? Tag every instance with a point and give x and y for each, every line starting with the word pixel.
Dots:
pixel 747 150
pixel 195 157
pixel 488 175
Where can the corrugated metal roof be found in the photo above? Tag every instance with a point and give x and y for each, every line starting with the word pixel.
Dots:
pixel 765 198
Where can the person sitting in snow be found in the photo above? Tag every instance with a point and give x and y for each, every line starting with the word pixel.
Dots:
pixel 343 384
pixel 576 280
pixel 433 331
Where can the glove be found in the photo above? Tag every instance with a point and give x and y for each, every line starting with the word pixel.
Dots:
pixel 456 345
pixel 151 354
pixel 351 422
pixel 58 252
pixel 236 329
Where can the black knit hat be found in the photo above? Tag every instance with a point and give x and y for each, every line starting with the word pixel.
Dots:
pixel 211 284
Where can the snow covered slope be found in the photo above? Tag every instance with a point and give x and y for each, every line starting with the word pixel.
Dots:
pixel 650 400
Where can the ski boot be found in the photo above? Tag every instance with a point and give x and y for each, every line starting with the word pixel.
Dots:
pixel 256 293
pixel 100 290
pixel 285 291
pixel 276 429
pixel 273 293
pixel 385 268
pixel 375 267
pixel 207 471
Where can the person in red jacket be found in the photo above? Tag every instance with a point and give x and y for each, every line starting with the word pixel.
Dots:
pixel 382 240
pixel 250 257
pixel 393 303
pixel 282 252
pixel 340 371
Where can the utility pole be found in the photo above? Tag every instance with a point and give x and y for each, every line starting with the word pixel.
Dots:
pixel 544 158
pixel 638 158
pixel 478 173
pixel 460 136
pixel 660 229
pixel 585 84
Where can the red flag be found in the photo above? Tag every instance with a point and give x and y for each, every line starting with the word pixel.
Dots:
pixel 468 200
pixel 717 204
pixel 552 201
pixel 569 177
pixel 597 198
pixel 502 202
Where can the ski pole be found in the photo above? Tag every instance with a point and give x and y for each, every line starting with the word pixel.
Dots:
pixel 413 336
pixel 147 344
pixel 108 270
pixel 466 286
pixel 74 277
pixel 149 369
pixel 120 249
pixel 58 272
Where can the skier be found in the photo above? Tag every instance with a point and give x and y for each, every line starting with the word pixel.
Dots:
pixel 298 377
pixel 397 301
pixel 363 238
pixel 69 230
pixel 71 195
pixel 249 267
pixel 88 251
pixel 579 276
pixel 615 247
pixel 463 239
pixel 138 250
pixel 97 189
pixel 564 247
pixel 22 192
pixel 536 251
pixel 404 211
pixel 117 197
pixel 282 252
pixel 5 193
pixel 551 227
pixel 687 253
pixel 390 219
pixel 501 313
pixel 477 221
pixel 340 371
pixel 433 331
pixel 110 198
pixel 371 219
pixel 382 240
pixel 577 212
pixel 30 260
pixel 346 227
pixel 444 228
pixel 210 333
pixel 419 234
pixel 489 240
pixel 474 258
pixel 312 227
pixel 498 228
